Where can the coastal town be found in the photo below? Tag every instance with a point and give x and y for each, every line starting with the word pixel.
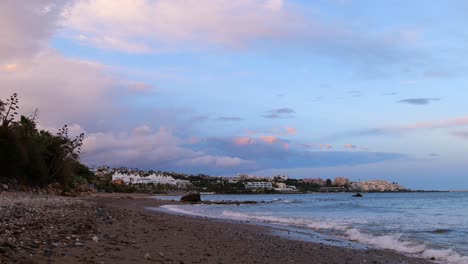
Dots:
pixel 134 180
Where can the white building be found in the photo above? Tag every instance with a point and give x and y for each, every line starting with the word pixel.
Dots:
pixel 282 187
pixel 135 178
pixel 376 186
pixel 258 185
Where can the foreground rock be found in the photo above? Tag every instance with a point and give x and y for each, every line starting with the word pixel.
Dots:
pixel 192 197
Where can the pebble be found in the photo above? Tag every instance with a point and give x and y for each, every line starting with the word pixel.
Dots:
pixel 147 256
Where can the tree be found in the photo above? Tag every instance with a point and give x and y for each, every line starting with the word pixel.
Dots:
pixel 328 182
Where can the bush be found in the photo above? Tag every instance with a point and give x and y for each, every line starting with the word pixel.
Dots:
pixel 38 158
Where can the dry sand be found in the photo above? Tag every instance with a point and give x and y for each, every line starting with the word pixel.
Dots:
pixel 117 229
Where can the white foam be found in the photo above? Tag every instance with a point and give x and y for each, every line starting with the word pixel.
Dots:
pixel 180 210
pixel 298 222
pixel 445 255
pixel 386 242
pixel 394 242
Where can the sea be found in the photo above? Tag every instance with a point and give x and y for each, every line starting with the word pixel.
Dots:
pixel 431 225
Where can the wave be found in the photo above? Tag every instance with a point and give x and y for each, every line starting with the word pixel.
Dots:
pixel 290 221
pixel 440 231
pixel 391 242
pixel 394 242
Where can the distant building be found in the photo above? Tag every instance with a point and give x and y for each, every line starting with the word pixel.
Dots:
pixel 282 187
pixel 136 178
pixel 258 185
pixel 341 181
pixel 281 177
pixel 316 181
pixel 243 177
pixel 376 186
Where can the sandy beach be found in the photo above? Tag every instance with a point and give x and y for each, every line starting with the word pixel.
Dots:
pixel 117 228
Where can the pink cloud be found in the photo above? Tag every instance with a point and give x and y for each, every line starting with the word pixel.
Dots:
pixel 291 131
pixel 269 139
pixel 349 146
pixel 286 146
pixel 9 68
pixel 139 87
pixel 142 130
pixel 325 146
pixel 193 140
pixel 437 124
pixel 243 141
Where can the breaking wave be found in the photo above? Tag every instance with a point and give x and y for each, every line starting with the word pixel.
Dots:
pixel 394 242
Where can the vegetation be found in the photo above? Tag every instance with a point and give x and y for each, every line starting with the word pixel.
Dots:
pixel 37 158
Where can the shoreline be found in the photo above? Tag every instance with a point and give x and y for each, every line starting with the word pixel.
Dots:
pixel 117 228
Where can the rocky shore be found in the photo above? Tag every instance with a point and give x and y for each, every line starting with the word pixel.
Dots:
pixel 118 229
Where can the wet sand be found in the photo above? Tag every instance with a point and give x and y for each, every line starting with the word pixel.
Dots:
pixel 117 228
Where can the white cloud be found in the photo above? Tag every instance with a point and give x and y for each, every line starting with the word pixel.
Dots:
pixel 27 26
pixel 64 90
pixel 150 149
pixel 143 25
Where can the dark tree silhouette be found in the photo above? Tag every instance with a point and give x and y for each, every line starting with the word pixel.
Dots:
pixel 37 158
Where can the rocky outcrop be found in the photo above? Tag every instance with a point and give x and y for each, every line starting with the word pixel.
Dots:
pixel 192 197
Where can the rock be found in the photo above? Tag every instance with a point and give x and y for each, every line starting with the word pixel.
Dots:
pixel 95 239
pixel 4 186
pixel 192 197
pixel 147 256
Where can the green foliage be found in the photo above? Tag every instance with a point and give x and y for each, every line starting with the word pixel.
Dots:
pixel 37 158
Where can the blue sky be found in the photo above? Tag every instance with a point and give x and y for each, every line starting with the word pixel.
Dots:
pixel 361 89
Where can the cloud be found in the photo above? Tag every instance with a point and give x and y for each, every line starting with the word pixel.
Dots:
pixel 286 155
pixel 199 118
pixel 284 112
pixel 398 129
pixel 438 124
pixel 419 101
pixel 355 93
pixel 244 141
pixel 286 131
pixel 27 27
pixel 64 90
pixel 437 74
pixel 158 149
pixel 229 119
pixel 140 87
pixel 291 131
pixel 141 26
pixel 9 68
pixel 325 146
pixel 350 146
pixel 142 130
pixel 269 139
pixel 461 134
pixel 148 26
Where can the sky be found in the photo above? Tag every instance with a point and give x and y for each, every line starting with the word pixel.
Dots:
pixel 326 88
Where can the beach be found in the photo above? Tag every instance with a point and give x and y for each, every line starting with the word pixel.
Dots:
pixel 117 228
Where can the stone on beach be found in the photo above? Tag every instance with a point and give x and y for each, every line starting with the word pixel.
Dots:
pixel 192 197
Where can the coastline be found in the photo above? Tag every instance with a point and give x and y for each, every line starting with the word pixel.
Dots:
pixel 116 228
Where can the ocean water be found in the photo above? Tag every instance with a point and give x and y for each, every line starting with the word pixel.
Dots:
pixel 428 225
